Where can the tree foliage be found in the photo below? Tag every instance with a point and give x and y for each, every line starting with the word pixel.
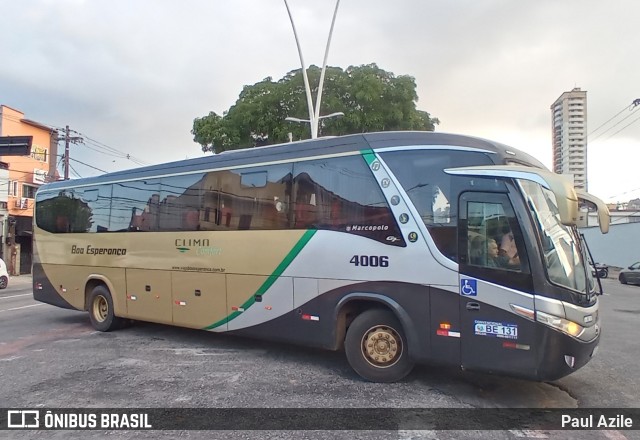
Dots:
pixel 371 98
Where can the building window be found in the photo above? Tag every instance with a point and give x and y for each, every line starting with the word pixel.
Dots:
pixel 29 191
pixel 13 188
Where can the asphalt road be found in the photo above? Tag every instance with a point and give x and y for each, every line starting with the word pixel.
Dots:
pixel 51 357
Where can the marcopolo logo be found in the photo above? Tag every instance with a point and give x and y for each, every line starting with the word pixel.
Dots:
pixel 364 228
pixel 201 246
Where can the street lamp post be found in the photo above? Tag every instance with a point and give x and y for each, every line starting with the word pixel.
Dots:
pixel 314 116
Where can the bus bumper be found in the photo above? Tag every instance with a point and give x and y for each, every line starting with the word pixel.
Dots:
pixel 45 292
pixel 561 354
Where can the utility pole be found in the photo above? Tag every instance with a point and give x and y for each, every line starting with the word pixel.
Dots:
pixel 66 154
pixel 13 253
pixel 67 140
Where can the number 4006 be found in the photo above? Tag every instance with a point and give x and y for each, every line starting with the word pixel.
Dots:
pixel 370 260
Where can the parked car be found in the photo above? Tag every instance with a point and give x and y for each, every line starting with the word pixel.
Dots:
pixel 600 270
pixel 631 274
pixel 4 275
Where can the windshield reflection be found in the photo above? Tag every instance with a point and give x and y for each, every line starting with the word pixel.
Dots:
pixel 562 252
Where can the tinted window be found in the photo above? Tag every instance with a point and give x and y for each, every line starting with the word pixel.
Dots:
pixel 341 194
pixel 490 241
pixel 250 198
pixel 75 210
pixel 135 205
pixel 435 193
pixel 180 203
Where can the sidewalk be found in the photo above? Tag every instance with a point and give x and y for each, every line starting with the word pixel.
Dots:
pixel 21 280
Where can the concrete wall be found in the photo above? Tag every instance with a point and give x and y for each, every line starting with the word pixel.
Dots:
pixel 620 247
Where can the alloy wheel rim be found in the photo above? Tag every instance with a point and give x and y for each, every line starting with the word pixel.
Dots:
pixel 100 308
pixel 381 346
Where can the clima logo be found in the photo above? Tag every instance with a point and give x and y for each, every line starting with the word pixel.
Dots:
pixel 185 244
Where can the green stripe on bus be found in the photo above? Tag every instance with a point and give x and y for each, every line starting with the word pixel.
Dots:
pixel 306 237
pixel 368 155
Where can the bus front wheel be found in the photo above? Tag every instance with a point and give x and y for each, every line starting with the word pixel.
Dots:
pixel 101 310
pixel 376 347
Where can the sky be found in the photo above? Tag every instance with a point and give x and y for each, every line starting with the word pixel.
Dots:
pixel 132 76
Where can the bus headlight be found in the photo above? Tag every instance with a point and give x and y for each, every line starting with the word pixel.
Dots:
pixel 569 327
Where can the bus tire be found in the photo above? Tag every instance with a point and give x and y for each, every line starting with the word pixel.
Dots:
pixel 101 310
pixel 376 347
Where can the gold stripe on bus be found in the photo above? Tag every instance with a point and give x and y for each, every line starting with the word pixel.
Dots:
pixel 223 269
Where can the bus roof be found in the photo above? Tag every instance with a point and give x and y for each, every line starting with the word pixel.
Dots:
pixel 306 148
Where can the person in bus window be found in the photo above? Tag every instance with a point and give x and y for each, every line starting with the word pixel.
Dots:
pixel 477 250
pixel 493 257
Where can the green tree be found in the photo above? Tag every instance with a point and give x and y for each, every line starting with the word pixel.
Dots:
pixel 371 98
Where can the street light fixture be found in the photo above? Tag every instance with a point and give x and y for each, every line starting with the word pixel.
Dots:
pixel 317 121
pixel 331 115
pixel 292 119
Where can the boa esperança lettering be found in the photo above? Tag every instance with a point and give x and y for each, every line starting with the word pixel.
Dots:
pixel 90 250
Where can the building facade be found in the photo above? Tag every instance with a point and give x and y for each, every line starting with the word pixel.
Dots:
pixel 20 177
pixel 569 134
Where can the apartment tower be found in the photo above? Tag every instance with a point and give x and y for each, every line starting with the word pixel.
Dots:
pixel 569 130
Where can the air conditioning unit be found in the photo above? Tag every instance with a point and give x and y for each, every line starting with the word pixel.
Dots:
pixel 22 203
pixel 18 203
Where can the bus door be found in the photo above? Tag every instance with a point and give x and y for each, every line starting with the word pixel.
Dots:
pixel 496 300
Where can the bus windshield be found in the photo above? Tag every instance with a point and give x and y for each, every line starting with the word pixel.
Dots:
pixel 561 250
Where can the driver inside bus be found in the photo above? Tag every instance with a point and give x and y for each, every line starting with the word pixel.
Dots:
pixel 508 250
pixel 495 259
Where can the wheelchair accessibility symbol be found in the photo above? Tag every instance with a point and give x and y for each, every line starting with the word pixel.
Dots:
pixel 468 287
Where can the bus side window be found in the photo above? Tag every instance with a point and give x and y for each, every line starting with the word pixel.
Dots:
pixel 341 194
pixel 490 241
pixel 62 224
pixel 434 193
pixel 305 210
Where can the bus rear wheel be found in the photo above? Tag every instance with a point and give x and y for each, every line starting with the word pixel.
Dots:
pixel 101 310
pixel 376 347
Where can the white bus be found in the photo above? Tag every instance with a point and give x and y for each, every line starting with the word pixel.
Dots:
pixel 398 247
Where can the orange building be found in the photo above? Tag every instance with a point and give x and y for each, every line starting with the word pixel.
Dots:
pixel 20 177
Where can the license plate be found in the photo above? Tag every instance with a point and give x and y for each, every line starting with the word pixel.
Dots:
pixel 496 329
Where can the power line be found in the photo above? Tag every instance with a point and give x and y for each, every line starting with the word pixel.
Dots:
pixel 612 118
pixel 624 193
pixel 633 109
pixel 87 165
pixel 81 138
pixel 630 123
pixel 75 172
pixel 114 151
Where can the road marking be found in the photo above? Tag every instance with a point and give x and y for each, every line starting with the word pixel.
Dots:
pixel 24 307
pixel 16 296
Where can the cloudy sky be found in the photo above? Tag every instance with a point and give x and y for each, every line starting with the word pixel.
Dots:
pixel 134 75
